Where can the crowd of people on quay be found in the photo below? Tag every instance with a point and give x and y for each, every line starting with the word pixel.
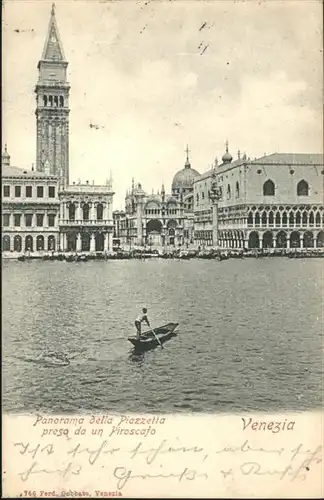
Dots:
pixel 177 253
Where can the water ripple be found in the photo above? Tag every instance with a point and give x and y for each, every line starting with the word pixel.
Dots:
pixel 249 338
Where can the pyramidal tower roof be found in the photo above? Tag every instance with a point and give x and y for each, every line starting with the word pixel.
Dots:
pixel 53 48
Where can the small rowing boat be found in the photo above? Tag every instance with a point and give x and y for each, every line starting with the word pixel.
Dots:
pixel 149 341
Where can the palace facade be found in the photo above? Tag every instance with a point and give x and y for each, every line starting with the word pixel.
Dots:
pixel 86 220
pixel 273 201
pixel 30 209
pixel 162 219
pixel 41 210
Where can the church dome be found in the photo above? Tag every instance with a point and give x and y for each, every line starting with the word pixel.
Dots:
pixel 227 157
pixel 185 178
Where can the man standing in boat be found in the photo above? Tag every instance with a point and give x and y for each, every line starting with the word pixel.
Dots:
pixel 139 320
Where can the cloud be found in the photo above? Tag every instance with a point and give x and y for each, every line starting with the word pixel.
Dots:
pixel 259 84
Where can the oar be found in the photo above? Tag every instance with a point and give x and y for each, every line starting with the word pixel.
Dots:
pixel 158 340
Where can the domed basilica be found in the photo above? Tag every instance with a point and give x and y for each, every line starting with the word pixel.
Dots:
pixel 161 219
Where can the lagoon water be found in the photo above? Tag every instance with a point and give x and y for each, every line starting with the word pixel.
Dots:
pixel 250 336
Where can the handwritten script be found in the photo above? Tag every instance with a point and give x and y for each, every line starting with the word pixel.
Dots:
pixel 298 461
pixel 178 459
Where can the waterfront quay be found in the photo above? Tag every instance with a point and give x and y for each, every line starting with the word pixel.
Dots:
pixel 167 253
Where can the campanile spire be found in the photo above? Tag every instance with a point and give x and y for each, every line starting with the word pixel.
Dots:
pixel 53 48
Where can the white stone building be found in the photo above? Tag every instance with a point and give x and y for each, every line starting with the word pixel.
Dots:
pixel 269 202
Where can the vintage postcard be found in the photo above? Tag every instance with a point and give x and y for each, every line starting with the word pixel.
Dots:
pixel 162 249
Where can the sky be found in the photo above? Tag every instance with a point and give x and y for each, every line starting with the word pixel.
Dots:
pixel 156 75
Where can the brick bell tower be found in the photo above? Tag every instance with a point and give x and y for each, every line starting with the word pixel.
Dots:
pixel 52 107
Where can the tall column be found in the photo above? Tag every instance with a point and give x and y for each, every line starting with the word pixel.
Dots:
pixel 34 220
pixel 93 210
pixel 288 241
pixel 260 240
pixel 139 222
pixel 62 242
pixel 45 243
pixel 110 241
pixel 92 243
pixel 301 241
pixel 106 242
pixel 61 211
pixel 215 224
pixel 78 243
pixel 274 241
pixel 106 211
pixel 45 221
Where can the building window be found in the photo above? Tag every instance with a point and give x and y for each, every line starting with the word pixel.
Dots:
pixel 51 191
pixel 40 242
pixel 40 191
pixel 28 220
pixel 100 211
pixel 29 243
pixel 17 191
pixel 228 192
pixel 51 220
pixel 17 243
pixel 237 190
pixel 302 188
pixel 298 219
pixel 284 219
pixel 6 243
pixel 6 220
pixel 268 188
pixel 86 212
pixel 39 220
pixel 264 219
pixel 6 191
pixel 29 191
pixel 72 212
pixel 17 219
pixel 51 242
pixel 271 219
pixel 311 219
pixel 318 219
